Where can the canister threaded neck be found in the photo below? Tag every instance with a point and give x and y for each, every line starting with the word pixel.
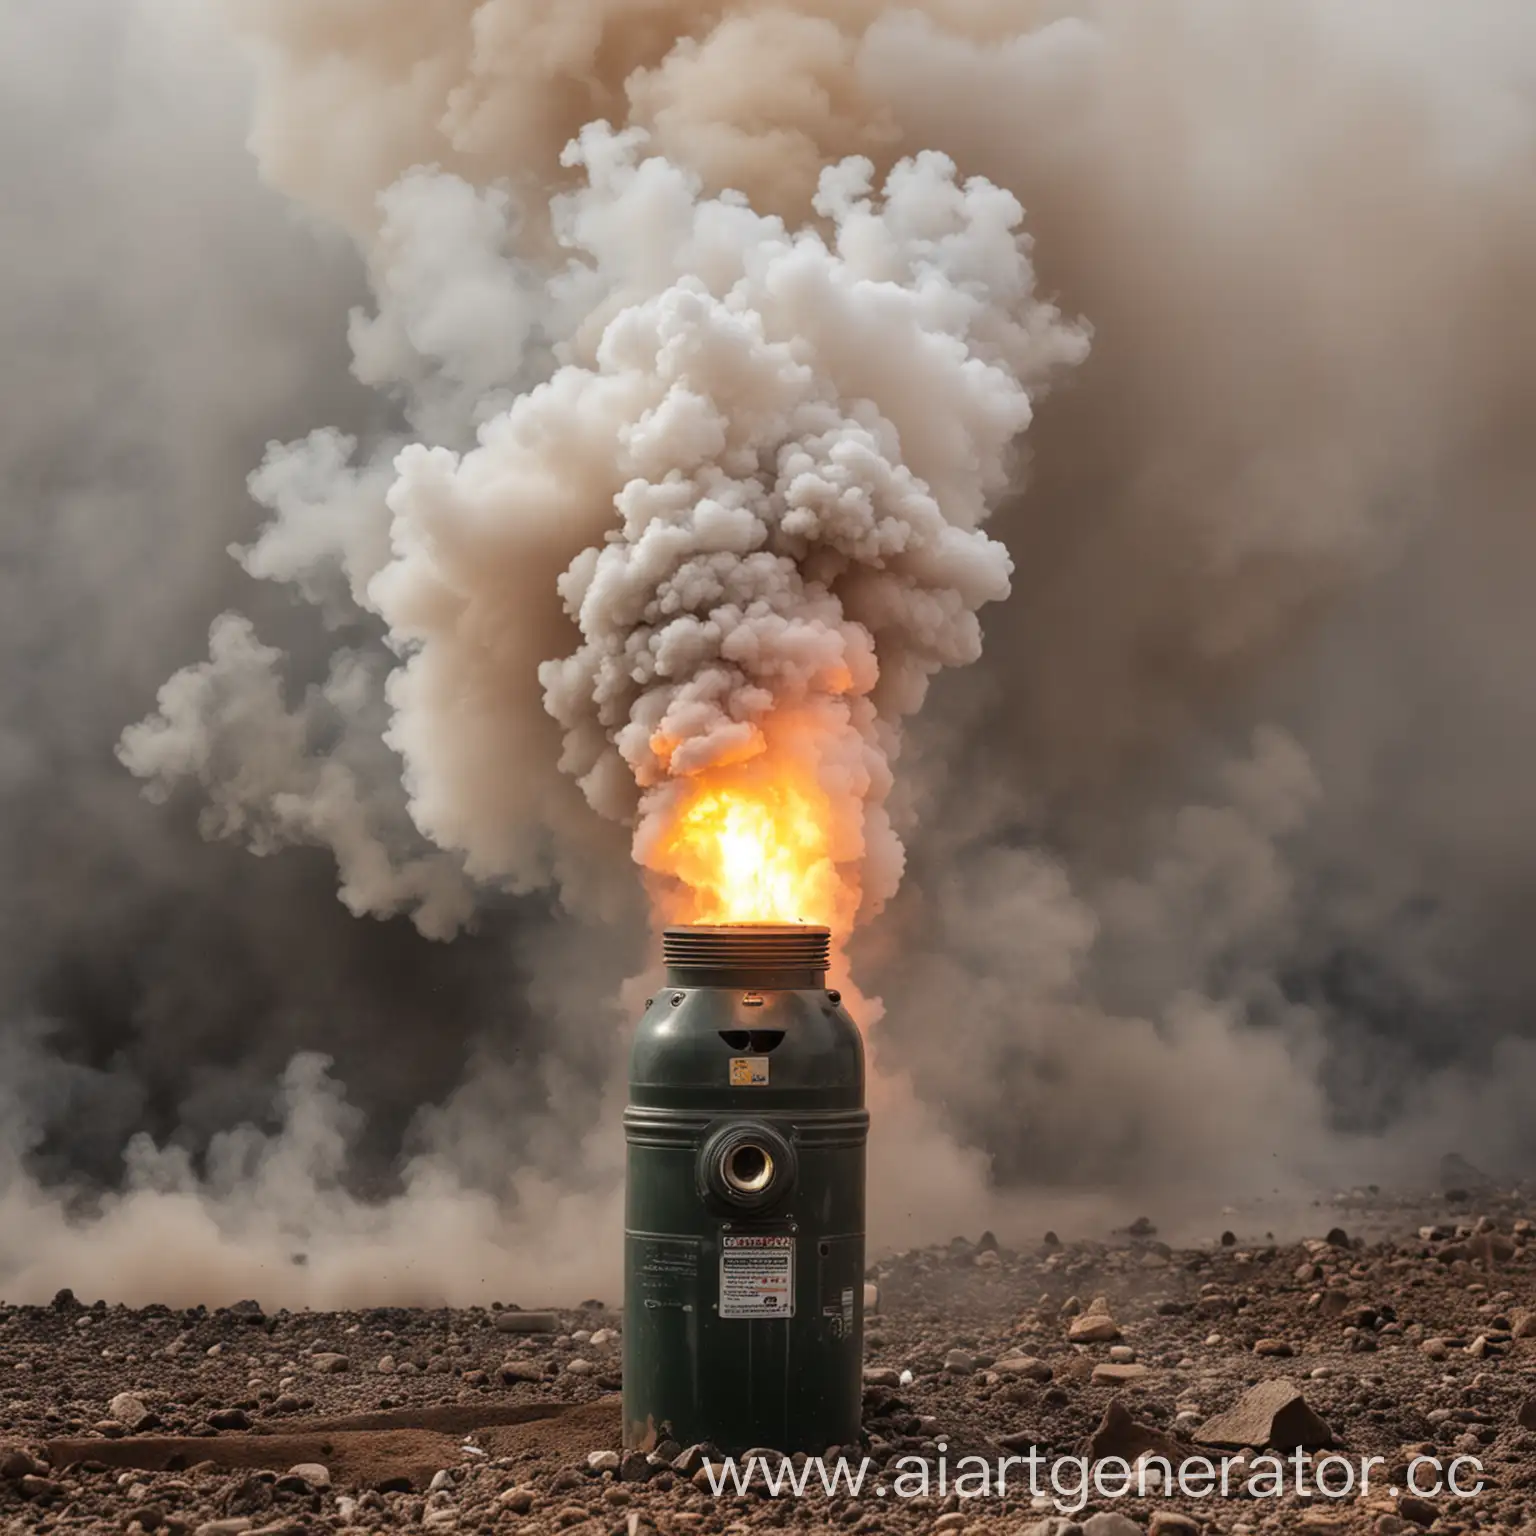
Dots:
pixel 747 947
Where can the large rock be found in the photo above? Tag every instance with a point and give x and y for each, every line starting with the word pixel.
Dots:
pixel 1457 1173
pixel 1271 1416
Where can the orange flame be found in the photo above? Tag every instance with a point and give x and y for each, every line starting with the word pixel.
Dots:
pixel 755 848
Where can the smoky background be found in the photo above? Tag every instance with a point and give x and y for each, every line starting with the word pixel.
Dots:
pixel 1219 860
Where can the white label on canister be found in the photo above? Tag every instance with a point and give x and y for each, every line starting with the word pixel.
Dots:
pixel 757 1276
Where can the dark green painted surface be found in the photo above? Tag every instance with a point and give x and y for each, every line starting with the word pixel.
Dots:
pixel 690 1373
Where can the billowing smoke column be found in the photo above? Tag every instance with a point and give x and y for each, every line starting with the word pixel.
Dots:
pixel 755 483
pixel 788 442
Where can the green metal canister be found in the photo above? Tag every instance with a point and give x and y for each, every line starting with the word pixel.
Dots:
pixel 744 1208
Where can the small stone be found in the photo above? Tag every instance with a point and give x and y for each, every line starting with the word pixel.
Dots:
pixel 634 1467
pixel 1274 1349
pixel 603 1461
pixel 1023 1365
pixel 512 1371
pixel 881 1376
pixel 129 1411
pixel 959 1362
pixel 229 1418
pixel 871 1298
pixel 329 1363
pixel 15 1465
pixel 236 1525
pixel 1122 1354
pixel 1093 1328
pixel 1436 1349
pixel 1117 1375
pixel 527 1322
pixel 1522 1323
pixel 386 1365
pixel 441 1481
pixel 1271 1416
pixel 1168 1522
pixel 1420 1511
pixel 1526 1417
pixel 579 1367
pixel 518 1500
pixel 690 1461
pixel 312 1473
pixel 1109 1522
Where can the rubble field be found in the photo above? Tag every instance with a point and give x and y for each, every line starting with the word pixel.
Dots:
pixel 1400 1330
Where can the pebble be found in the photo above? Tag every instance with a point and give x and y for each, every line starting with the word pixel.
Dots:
pixel 603 1461
pixel 1110 1522
pixel 312 1473
pixel 1118 1375
pixel 959 1362
pixel 129 1411
pixel 329 1363
pixel 1021 1365
pixel 1093 1328
pixel 527 1322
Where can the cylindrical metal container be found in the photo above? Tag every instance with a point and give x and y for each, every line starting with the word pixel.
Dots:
pixel 744 1210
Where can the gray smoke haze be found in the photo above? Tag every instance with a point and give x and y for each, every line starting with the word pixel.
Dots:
pixel 1216 862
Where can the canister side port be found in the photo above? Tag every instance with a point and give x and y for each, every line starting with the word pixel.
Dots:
pixel 747 1165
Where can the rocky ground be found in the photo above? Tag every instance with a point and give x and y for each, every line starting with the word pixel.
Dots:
pixel 1398 1329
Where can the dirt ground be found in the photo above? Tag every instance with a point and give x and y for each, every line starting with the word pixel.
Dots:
pixel 1403 1329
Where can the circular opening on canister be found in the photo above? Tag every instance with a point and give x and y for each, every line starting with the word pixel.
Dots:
pixel 747 1168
